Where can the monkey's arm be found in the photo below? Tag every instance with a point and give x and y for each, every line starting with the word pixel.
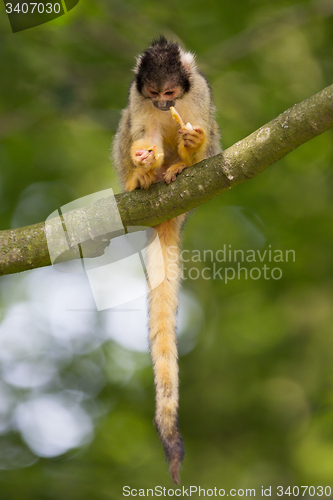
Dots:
pixel 192 144
pixel 147 156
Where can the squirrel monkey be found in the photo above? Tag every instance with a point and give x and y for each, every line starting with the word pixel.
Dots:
pixel 153 144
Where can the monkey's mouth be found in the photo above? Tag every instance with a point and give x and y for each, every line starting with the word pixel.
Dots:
pixel 163 106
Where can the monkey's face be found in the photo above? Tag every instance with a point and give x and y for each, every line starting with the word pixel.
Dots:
pixel 164 98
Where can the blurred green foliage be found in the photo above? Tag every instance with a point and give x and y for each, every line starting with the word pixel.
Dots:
pixel 256 394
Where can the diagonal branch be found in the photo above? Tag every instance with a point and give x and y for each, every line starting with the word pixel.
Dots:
pixel 26 248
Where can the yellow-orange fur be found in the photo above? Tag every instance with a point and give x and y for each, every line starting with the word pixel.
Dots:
pixel 163 303
pixel 143 127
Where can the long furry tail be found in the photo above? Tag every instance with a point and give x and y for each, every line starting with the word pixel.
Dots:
pixel 163 304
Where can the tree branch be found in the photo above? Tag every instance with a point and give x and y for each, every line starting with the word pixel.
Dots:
pixel 26 248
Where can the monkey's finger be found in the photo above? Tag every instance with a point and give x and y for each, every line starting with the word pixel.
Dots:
pixel 190 134
pixel 141 158
pixel 195 139
pixel 199 130
pixel 195 133
pixel 147 154
pixel 190 143
pixel 191 140
pixel 140 152
pixel 150 158
pixel 147 161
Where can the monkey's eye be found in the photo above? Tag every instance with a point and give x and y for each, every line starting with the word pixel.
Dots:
pixel 153 92
pixel 169 92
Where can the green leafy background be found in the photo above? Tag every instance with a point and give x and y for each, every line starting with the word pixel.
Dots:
pixel 256 393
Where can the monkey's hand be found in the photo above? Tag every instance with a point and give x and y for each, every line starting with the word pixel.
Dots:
pixel 192 144
pixel 192 139
pixel 144 157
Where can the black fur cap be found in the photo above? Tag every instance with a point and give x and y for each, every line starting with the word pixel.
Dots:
pixel 161 63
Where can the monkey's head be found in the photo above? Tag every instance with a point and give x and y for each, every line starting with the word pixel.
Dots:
pixel 163 73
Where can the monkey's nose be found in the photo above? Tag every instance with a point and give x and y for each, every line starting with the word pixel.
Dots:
pixel 163 105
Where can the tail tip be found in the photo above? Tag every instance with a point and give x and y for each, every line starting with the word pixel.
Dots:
pixel 175 456
pixel 174 451
pixel 174 470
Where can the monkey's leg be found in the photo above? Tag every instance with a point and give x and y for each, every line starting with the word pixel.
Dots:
pixel 163 304
pixel 140 178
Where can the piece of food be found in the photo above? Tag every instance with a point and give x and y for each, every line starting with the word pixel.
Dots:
pixel 176 116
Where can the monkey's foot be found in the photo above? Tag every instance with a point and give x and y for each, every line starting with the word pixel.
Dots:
pixel 141 178
pixel 173 171
pixel 194 138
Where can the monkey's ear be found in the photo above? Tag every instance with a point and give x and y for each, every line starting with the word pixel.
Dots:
pixel 187 60
pixel 137 64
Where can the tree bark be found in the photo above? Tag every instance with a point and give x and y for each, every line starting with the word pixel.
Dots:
pixel 26 248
